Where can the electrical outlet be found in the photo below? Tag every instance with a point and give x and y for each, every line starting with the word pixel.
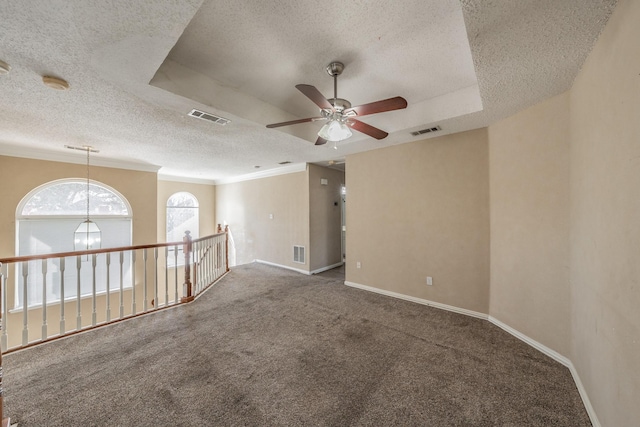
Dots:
pixel 358 265
pixel 270 216
pixel 429 281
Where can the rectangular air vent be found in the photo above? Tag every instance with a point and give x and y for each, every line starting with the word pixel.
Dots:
pixel 209 117
pixel 298 254
pixel 427 130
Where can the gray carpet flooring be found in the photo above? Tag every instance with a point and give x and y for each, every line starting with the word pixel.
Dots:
pixel 270 347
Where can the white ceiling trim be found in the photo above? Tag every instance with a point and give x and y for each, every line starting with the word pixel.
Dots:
pixel 284 170
pixel 68 157
pixel 175 178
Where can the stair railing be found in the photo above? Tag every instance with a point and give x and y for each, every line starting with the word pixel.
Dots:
pixel 45 297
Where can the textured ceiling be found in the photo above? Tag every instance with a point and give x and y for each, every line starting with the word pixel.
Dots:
pixel 137 68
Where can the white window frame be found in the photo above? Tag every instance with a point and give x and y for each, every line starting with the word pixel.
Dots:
pixel 194 233
pixel 21 218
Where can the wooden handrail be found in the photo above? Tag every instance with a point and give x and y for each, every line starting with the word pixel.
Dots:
pixel 96 251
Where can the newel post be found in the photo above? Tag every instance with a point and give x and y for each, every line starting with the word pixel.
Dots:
pixel 186 247
pixel 226 245
pixel 219 230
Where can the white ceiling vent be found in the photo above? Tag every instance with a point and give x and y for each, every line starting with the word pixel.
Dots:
pixel 427 130
pixel 298 254
pixel 209 117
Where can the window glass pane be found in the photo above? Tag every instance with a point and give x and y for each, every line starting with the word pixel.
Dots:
pixel 70 198
pixel 52 235
pixel 182 199
pixel 182 215
pixel 56 234
pixel 180 220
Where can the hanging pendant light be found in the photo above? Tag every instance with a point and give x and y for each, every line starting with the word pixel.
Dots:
pixel 87 236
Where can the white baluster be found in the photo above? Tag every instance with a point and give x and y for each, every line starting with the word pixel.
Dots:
pixel 44 299
pixel 196 267
pixel 78 294
pixel 5 313
pixel 94 314
pixel 62 321
pixel 133 282
pixel 175 272
pixel 25 299
pixel 108 287
pixel 217 258
pixel 203 277
pixel 144 289
pixel 121 284
pixel 220 256
pixel 166 276
pixel 155 277
pixel 203 268
pixel 210 259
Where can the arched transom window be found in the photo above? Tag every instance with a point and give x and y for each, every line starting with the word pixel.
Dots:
pixel 47 218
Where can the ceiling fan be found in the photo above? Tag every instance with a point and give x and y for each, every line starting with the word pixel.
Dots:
pixel 338 113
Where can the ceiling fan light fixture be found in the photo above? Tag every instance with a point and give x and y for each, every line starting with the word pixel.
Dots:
pixel 335 131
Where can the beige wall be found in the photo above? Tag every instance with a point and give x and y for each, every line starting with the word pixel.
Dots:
pixel 529 199
pixel 20 176
pixel 324 217
pixel 605 220
pixel 422 209
pixel 245 207
pixel 139 188
pixel 206 195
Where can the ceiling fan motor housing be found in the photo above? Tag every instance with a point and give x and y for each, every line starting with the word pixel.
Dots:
pixel 335 68
pixel 339 104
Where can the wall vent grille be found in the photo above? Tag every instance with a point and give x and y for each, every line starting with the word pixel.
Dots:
pixel 427 130
pixel 298 254
pixel 208 117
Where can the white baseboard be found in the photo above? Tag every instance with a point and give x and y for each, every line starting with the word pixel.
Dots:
pixel 283 266
pixel 533 343
pixel 308 273
pixel 329 267
pixel 419 300
pixel 557 357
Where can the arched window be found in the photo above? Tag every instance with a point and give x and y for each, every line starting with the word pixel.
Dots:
pixel 47 218
pixel 182 215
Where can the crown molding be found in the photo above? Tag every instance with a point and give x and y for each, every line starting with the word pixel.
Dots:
pixel 283 170
pixel 69 157
pixel 176 178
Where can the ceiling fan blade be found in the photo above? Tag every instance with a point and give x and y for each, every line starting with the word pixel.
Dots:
pixel 321 141
pixel 314 94
pixel 367 129
pixel 390 104
pixel 294 122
